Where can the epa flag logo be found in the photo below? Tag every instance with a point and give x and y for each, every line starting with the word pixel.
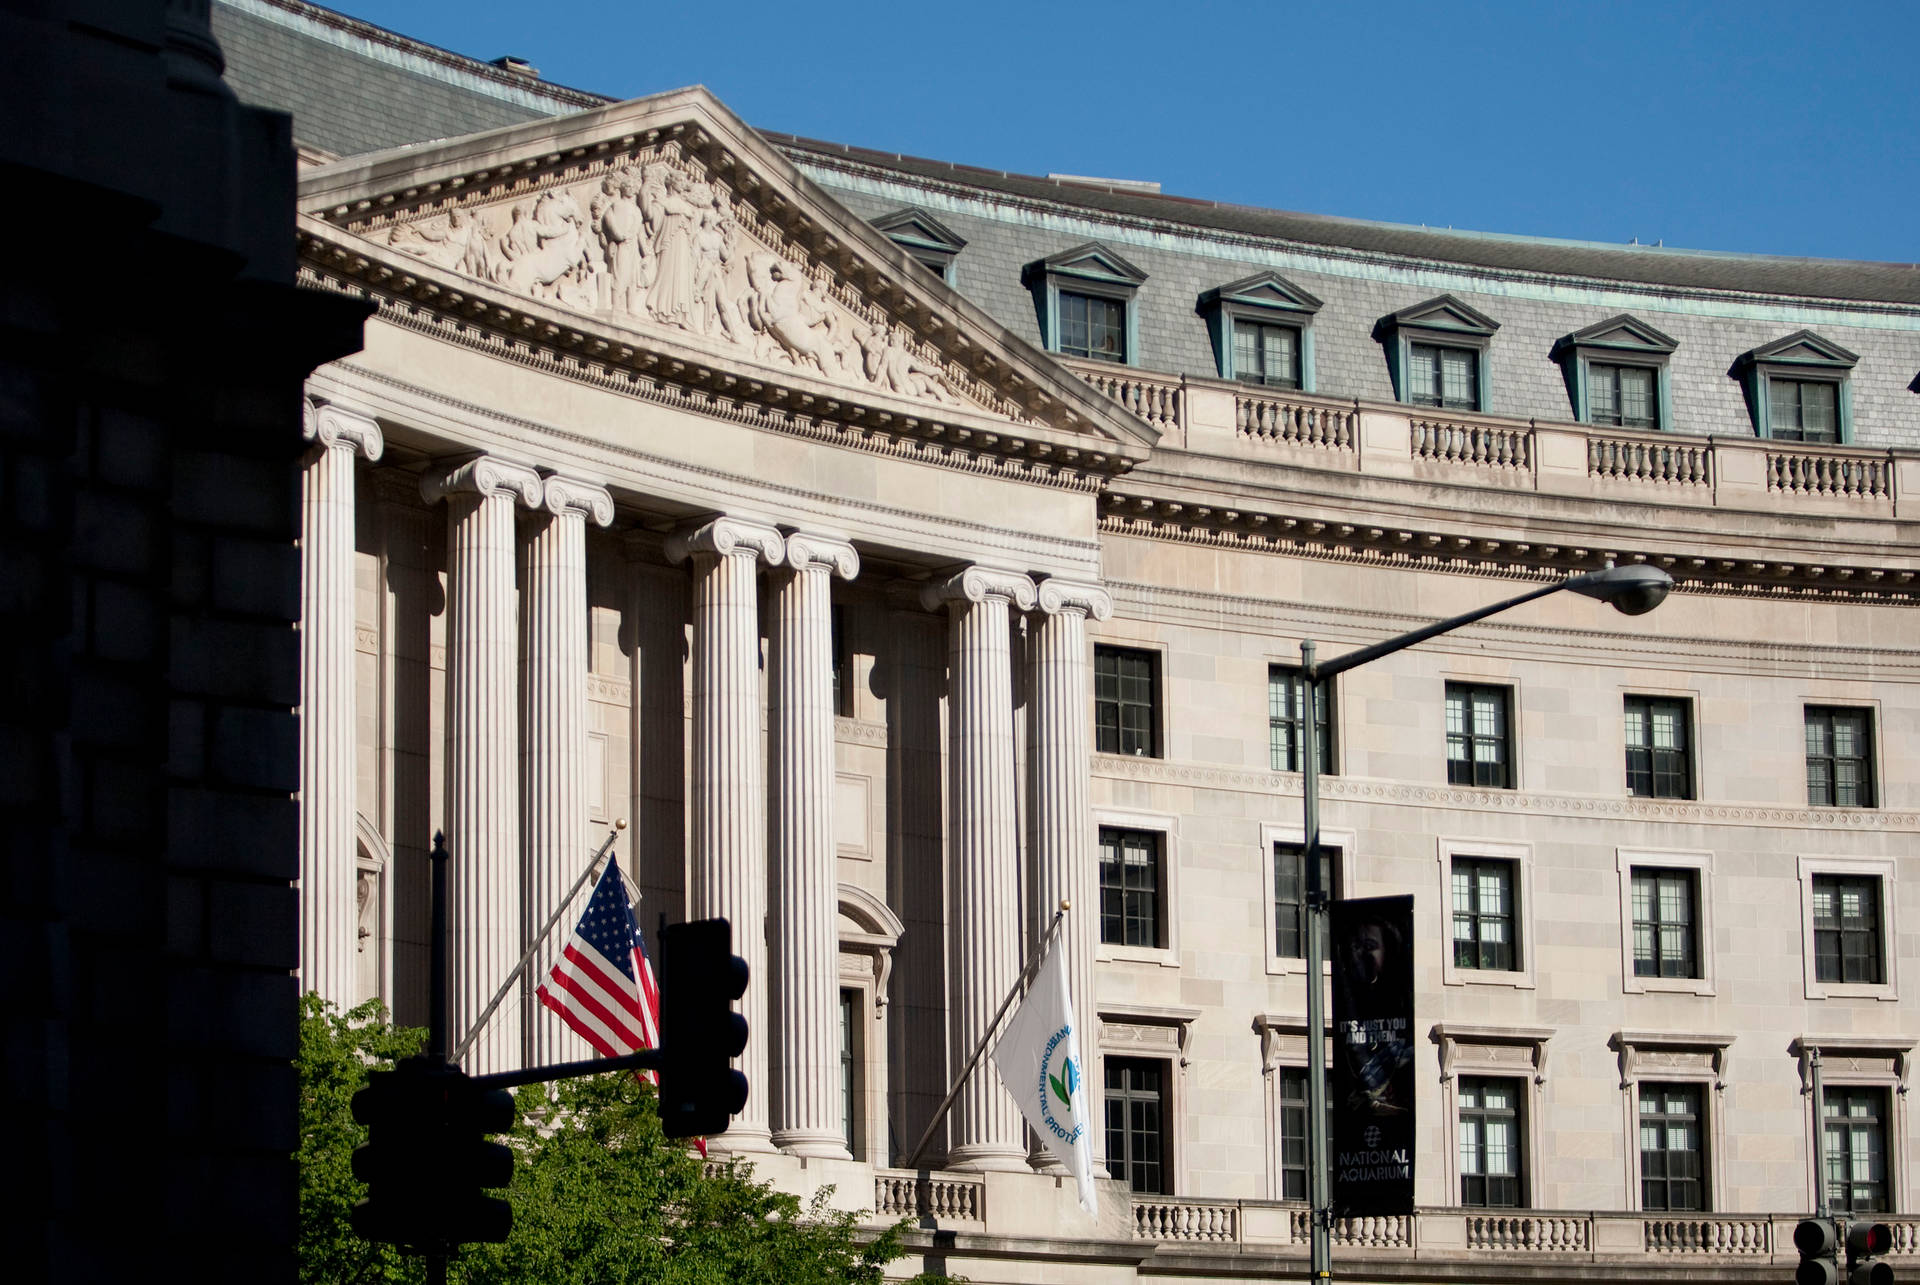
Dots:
pixel 1063 1086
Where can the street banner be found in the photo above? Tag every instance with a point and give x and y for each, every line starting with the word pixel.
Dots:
pixel 1371 1087
pixel 1039 1060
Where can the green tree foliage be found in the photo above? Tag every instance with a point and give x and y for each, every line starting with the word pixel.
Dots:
pixel 599 1196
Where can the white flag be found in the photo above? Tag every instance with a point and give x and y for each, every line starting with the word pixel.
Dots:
pixel 1039 1060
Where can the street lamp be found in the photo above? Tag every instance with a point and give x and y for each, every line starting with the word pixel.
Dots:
pixel 1633 591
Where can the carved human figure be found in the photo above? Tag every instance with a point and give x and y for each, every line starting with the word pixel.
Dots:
pixel 622 230
pixel 670 298
pixel 545 243
pixel 795 315
pixel 457 241
pixel 716 305
pixel 901 372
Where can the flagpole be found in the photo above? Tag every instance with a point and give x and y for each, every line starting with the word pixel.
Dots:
pixel 499 996
pixel 986 1037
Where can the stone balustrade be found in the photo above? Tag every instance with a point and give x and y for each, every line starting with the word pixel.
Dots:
pixel 1386 439
pixel 946 1197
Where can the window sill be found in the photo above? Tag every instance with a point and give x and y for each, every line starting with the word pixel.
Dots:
pixel 1454 975
pixel 1293 966
pixel 1669 985
pixel 1106 953
pixel 1884 991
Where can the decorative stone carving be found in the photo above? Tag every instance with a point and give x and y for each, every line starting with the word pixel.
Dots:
pixel 331 425
pixel 978 584
pixel 1056 596
pixel 485 476
pixel 658 241
pixel 723 536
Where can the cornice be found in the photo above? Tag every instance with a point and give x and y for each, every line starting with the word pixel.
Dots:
pixel 1461 552
pixel 1405 794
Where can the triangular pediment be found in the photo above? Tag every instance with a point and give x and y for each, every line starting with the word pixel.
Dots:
pixel 1803 348
pixel 915 229
pixel 664 234
pixel 1442 313
pixel 1623 333
pixel 1090 262
pixel 1268 290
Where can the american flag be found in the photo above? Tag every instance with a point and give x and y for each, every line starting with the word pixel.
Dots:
pixel 603 985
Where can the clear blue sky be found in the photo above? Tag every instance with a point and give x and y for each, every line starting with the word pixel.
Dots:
pixel 1779 128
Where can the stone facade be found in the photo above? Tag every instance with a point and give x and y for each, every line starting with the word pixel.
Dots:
pixel 833 651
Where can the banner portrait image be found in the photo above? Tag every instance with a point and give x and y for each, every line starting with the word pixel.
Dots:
pixel 1371 1086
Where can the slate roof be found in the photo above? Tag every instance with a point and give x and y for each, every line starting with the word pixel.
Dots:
pixel 1650 265
pixel 353 87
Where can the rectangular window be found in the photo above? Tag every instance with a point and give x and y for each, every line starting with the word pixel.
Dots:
pixel 1623 395
pixel 1126 701
pixel 1659 762
pixel 1290 895
pixel 1130 884
pixel 1491 1172
pixel 1484 914
pixel 1856 1150
pixel 846 1070
pixel 1673 1162
pixel 1839 757
pixel 1665 943
pixel 1445 377
pixel 1803 411
pixel 1266 354
pixel 842 663
pixel 1293 1133
pixel 1137 1123
pixel 1477 736
pixel 1846 929
pixel 1286 707
pixel 1093 327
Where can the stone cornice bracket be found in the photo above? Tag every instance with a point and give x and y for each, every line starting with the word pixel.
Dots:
pixel 484 475
pixel 571 495
pixel 724 536
pixel 1057 596
pixel 977 584
pixel 331 425
pixel 837 556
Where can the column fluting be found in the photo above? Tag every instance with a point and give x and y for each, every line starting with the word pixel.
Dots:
pixel 554 736
pixel 483 747
pixel 803 929
pixel 329 915
pixel 984 947
pixel 1064 854
pixel 728 816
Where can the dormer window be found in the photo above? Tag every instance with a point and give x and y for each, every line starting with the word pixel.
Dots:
pixel 1262 331
pixel 1616 373
pixel 1797 389
pixel 1438 354
pixel 932 243
pixel 1084 298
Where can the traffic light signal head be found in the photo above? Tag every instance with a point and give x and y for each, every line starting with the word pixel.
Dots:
pixel 427 1160
pixel 700 1034
pixel 1866 1242
pixel 1818 1240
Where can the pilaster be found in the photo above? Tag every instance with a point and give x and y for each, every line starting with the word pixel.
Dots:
pixel 329 915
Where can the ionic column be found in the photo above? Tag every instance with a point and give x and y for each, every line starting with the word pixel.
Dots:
pixel 329 915
pixel 1064 856
pixel 983 847
pixel 728 815
pixel 554 736
pixel 803 931
pixel 483 747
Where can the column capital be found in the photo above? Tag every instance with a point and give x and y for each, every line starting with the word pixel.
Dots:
pixel 571 495
pixel 483 475
pixel 336 426
pixel 977 584
pixel 837 556
pixel 1060 596
pixel 724 536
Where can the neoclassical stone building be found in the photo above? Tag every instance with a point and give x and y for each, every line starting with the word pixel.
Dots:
pixel 904 548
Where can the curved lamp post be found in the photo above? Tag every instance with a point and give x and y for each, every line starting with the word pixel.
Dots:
pixel 1633 591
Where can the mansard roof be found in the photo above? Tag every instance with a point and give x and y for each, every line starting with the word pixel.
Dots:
pixel 663 234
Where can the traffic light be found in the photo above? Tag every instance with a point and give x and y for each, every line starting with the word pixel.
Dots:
pixel 700 978
pixel 1866 1242
pixel 427 1160
pixel 1818 1240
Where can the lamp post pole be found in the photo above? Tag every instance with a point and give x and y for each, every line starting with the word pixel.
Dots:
pixel 1632 591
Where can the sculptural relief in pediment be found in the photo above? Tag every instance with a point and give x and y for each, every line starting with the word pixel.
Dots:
pixel 655 242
